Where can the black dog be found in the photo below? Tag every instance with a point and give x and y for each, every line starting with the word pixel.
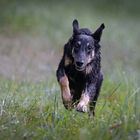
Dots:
pixel 79 72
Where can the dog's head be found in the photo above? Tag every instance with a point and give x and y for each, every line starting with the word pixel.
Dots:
pixel 84 45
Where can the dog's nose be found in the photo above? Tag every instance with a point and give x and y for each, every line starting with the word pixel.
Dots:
pixel 79 64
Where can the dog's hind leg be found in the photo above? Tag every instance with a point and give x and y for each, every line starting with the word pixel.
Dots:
pixel 93 103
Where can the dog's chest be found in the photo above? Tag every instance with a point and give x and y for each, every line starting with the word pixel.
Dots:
pixel 77 79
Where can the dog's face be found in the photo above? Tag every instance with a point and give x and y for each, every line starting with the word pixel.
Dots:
pixel 83 51
pixel 84 44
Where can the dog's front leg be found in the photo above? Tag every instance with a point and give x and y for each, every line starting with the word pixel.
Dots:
pixel 86 98
pixel 65 92
pixel 64 85
pixel 83 105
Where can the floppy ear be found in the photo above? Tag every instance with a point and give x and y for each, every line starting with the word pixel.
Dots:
pixel 75 25
pixel 97 34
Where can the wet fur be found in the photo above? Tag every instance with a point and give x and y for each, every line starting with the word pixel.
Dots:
pixel 80 89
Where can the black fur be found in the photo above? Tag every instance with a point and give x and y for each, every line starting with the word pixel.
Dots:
pixel 86 79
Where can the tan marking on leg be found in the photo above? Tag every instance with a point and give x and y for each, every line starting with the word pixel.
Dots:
pixel 68 61
pixel 83 105
pixel 65 92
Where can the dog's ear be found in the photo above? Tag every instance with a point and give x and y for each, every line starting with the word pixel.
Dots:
pixel 98 33
pixel 75 25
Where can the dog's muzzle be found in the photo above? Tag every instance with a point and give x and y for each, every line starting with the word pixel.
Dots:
pixel 79 66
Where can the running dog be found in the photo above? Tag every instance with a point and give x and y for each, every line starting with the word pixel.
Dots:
pixel 79 71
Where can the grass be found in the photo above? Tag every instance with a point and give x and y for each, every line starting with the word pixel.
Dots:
pixel 35 111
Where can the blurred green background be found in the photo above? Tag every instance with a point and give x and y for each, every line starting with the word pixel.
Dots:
pixel 33 32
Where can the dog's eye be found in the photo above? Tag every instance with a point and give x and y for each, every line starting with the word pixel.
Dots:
pixel 89 48
pixel 76 47
pixel 78 44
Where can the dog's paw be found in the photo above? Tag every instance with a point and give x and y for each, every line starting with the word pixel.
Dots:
pixel 68 105
pixel 67 102
pixel 81 107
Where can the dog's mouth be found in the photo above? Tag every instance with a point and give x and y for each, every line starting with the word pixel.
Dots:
pixel 79 68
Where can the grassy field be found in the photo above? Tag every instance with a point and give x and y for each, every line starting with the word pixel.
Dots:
pixel 32 34
pixel 35 111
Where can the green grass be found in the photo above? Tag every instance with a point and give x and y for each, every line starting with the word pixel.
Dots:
pixel 35 111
